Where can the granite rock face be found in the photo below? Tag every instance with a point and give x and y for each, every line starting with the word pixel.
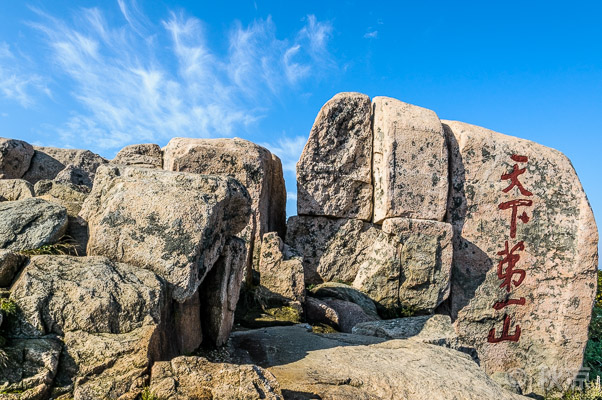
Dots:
pixel 525 256
pixel 340 291
pixel 185 378
pixel 343 366
pixel 58 294
pixel 15 189
pixel 10 264
pixel 31 367
pixel 280 271
pixel 15 158
pixel 141 155
pixel 71 197
pixel 220 290
pixel 403 265
pixel 73 175
pixel 30 224
pixel 409 162
pixel 253 166
pixel 436 329
pixel 173 223
pixel 47 162
pixel 334 173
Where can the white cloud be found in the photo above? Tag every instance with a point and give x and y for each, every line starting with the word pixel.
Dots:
pixel 292 196
pixel 16 83
pixel 134 86
pixel 289 150
pixel 371 35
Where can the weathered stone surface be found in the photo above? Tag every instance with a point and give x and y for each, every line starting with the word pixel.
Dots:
pixel 30 223
pixel 73 175
pixel 220 291
pixel 318 312
pixel 15 157
pixel 409 162
pixel 101 366
pixel 15 189
pixel 280 270
pixel 47 162
pixel 334 172
pixel 339 314
pixel 426 328
pixel 335 249
pixel 10 265
pixel 404 266
pixel 173 223
pixel 58 294
pixel 71 197
pixel 342 366
pixel 253 166
pixel 141 155
pixel 186 378
pixel 426 252
pixel 559 257
pixel 344 292
pixel 30 370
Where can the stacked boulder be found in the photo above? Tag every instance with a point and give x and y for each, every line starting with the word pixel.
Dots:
pixel 372 194
pixel 162 272
pixel 424 215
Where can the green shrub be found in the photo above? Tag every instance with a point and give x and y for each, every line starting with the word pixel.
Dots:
pixel 147 394
pixel 8 307
pixel 65 246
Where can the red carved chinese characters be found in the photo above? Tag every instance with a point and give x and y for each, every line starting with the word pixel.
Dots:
pixel 511 275
pixel 511 259
pixel 513 176
pixel 505 333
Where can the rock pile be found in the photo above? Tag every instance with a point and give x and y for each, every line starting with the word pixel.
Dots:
pixel 419 239
pixel 424 215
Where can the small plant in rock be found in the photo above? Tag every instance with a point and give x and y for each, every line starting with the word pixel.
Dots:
pixel 148 395
pixel 65 246
pixel 8 307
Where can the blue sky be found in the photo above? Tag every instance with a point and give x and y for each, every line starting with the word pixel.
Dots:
pixel 101 75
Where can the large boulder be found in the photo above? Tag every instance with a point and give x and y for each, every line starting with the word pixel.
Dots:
pixel 15 189
pixel 280 271
pixel 174 223
pixel 30 369
pixel 185 378
pixel 30 224
pixel 525 256
pixel 409 162
pixel 99 366
pixel 141 155
pixel 59 294
pixel 335 290
pixel 47 162
pixel 436 329
pixel 339 314
pixel 334 175
pixel 111 318
pixel 342 366
pixel 403 266
pixel 71 197
pixel 73 175
pixel 253 166
pixel 15 158
pixel 426 253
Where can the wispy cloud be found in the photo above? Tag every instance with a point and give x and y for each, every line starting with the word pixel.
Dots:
pixel 16 83
pixel 139 81
pixel 371 35
pixel 289 150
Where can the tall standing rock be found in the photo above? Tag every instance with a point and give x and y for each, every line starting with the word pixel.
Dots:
pixel 15 157
pixel 409 162
pixel 525 256
pixel 253 166
pixel 173 223
pixel 334 172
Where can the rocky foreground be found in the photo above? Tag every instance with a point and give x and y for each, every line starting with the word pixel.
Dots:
pixel 429 260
